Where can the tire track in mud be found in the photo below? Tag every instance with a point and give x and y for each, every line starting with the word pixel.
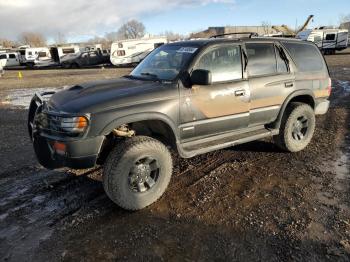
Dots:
pixel 34 201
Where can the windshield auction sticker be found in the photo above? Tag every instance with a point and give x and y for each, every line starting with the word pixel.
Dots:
pixel 187 50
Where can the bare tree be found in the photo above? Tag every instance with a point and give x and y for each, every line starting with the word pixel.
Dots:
pixel 106 43
pixel 131 30
pixel 32 39
pixel 7 43
pixel 171 36
pixel 266 27
pixel 344 18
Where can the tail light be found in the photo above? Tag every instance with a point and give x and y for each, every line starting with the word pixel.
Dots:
pixel 329 87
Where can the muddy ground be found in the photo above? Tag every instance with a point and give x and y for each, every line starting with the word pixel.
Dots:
pixel 246 203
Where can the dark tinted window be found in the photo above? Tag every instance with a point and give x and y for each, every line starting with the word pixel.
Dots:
pixel 330 37
pixel 3 57
pixel 306 56
pixel 261 59
pixel 12 56
pixel 223 62
pixel 281 63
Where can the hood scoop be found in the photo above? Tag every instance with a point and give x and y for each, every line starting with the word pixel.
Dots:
pixel 76 87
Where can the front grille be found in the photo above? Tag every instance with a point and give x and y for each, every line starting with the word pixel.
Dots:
pixel 50 124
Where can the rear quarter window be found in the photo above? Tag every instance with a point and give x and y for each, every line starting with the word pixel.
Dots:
pixel 306 56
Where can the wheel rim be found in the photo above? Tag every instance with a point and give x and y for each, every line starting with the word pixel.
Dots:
pixel 300 128
pixel 144 174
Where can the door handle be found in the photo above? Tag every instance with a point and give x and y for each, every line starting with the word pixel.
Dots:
pixel 289 84
pixel 240 93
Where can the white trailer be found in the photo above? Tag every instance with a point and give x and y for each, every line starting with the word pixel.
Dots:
pixel 34 54
pixel 328 40
pixel 130 52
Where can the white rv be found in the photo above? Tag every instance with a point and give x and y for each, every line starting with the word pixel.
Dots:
pixel 130 52
pixel 328 40
pixel 34 54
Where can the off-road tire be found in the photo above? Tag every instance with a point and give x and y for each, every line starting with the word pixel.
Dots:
pixel 120 161
pixel 285 140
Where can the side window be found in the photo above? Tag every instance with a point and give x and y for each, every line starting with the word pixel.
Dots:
pixel 306 56
pixel 3 57
pixel 261 59
pixel 282 67
pixel 330 37
pixel 30 53
pixel 224 63
pixel 12 56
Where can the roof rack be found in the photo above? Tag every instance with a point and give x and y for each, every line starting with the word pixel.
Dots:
pixel 251 34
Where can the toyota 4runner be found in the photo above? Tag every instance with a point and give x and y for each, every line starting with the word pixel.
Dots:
pixel 193 97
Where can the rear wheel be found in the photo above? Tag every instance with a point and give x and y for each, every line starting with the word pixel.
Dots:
pixel 137 172
pixel 297 128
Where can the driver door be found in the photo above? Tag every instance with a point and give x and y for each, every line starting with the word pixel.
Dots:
pixel 221 107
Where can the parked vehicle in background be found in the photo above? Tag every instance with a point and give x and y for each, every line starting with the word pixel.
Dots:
pixel 328 40
pixel 131 52
pixel 193 97
pixel 58 52
pixel 10 59
pixel 34 54
pixel 84 59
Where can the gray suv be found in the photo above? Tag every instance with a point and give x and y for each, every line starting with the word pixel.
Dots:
pixel 191 97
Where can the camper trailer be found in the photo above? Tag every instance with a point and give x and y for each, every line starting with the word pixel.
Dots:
pixel 34 54
pixel 130 52
pixel 328 40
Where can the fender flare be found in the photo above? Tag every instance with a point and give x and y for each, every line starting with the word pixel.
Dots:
pixel 300 92
pixel 140 117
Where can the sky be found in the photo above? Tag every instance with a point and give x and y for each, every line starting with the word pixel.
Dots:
pixel 80 20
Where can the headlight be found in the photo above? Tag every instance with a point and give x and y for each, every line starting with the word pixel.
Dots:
pixel 74 124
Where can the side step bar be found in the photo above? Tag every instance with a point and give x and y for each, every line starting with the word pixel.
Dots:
pixel 203 146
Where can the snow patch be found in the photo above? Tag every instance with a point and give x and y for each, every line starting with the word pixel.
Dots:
pixel 21 98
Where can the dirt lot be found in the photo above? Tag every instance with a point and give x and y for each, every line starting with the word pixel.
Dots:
pixel 247 203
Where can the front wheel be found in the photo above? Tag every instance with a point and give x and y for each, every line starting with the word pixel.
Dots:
pixel 297 128
pixel 137 172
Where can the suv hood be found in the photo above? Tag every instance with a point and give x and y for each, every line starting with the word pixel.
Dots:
pixel 106 94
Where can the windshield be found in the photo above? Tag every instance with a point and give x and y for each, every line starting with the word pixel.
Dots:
pixel 164 63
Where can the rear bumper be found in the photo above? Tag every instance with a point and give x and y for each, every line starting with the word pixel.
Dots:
pixel 321 107
pixel 78 154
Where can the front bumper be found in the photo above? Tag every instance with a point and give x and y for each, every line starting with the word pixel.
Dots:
pixel 77 152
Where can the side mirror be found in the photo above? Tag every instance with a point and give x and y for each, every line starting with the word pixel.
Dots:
pixel 201 77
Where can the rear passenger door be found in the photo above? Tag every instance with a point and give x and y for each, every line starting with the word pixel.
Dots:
pixel 270 81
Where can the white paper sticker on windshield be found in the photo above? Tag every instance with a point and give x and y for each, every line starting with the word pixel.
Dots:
pixel 187 50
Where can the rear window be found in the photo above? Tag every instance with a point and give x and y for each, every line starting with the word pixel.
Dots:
pixel 261 59
pixel 12 56
pixel 306 56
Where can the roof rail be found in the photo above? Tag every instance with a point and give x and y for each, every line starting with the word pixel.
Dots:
pixel 251 34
